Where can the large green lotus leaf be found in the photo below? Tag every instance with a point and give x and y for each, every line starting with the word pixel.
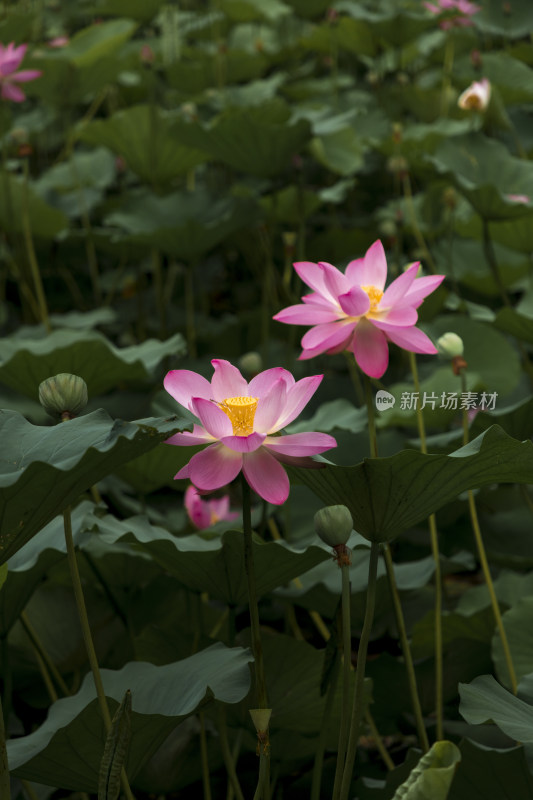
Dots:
pixel 134 9
pixel 388 495
pixel 45 469
pixel 161 698
pixel 90 45
pixel 510 587
pixel 29 564
pixel 214 565
pixel 516 420
pixel 18 200
pixel 351 35
pixel 155 469
pixel 485 699
pixel 24 363
pixel 484 171
pixel 514 233
pixel 184 224
pixel 511 321
pixel 309 8
pixel 396 26
pixel 341 152
pixel 487 773
pixel 195 74
pixel 478 627
pixel 433 775
pixel 146 138
pixel 259 141
pixel 250 10
pixel 335 414
pixel 512 21
pixel 513 78
pixel 468 265
pixel 76 186
pixel 517 621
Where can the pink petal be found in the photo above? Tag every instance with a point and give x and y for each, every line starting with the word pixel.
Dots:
pixel 404 317
pixel 399 287
pixel 183 473
pixel 214 420
pixel 220 508
pixel 297 399
pixel 270 408
pixel 355 303
pixel 266 476
pixel 300 444
pixel 244 444
pixel 306 315
pixel 373 271
pixel 312 275
pixel 262 384
pixel 12 58
pixel 412 339
pixel 10 92
pixel 197 509
pixel 318 301
pixel 198 436
pixel 421 288
pixel 370 349
pixel 183 385
pixel 330 334
pixel 26 75
pixel 335 282
pixel 227 381
pixel 214 467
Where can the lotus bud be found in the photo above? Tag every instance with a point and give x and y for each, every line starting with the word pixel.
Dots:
pixel 334 525
pixel 64 395
pixel 450 345
pixel 251 363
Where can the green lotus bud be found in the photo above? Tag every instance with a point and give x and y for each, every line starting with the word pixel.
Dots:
pixel 334 525
pixel 450 345
pixel 64 395
pixel 251 363
pixel 261 718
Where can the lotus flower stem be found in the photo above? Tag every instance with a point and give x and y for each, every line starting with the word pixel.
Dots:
pixel 389 763
pixel 321 744
pixel 263 784
pixel 490 256
pixel 484 561
pixel 358 697
pixel 32 258
pixel 347 663
pixel 37 643
pixel 5 783
pixel 419 236
pixel 226 752
pixel 87 635
pixel 205 760
pixel 439 701
pixel 400 621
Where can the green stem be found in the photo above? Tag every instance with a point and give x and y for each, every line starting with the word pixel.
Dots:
pixel 226 753
pixel 406 650
pixel 419 236
pixel 32 258
pixel 371 418
pixel 439 699
pixel 485 563
pixel 358 698
pixel 5 783
pixel 347 663
pixel 87 635
pixel 490 255
pixel 321 744
pixel 204 757
pixel 356 380
pixel 33 635
pixel 387 760
pixel 263 784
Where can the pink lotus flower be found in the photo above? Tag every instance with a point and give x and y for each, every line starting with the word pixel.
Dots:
pixel 204 513
pixel 476 97
pixel 465 8
pixel 524 199
pixel 353 311
pixel 240 422
pixel 10 60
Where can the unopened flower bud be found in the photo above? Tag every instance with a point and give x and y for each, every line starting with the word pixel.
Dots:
pixel 450 345
pixel 261 718
pixel 334 525
pixel 64 395
pixel 251 363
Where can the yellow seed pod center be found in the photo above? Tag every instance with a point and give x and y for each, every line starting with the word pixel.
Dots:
pixel 374 295
pixel 241 411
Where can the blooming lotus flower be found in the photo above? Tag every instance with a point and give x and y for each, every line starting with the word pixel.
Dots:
pixel 465 8
pixel 353 310
pixel 476 97
pixel 10 60
pixel 204 513
pixel 240 422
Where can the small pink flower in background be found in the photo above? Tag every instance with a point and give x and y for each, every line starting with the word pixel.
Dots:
pixel 204 513
pixel 58 41
pixel 518 198
pixel 463 19
pixel 476 97
pixel 240 423
pixel 10 60
pixel 353 311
